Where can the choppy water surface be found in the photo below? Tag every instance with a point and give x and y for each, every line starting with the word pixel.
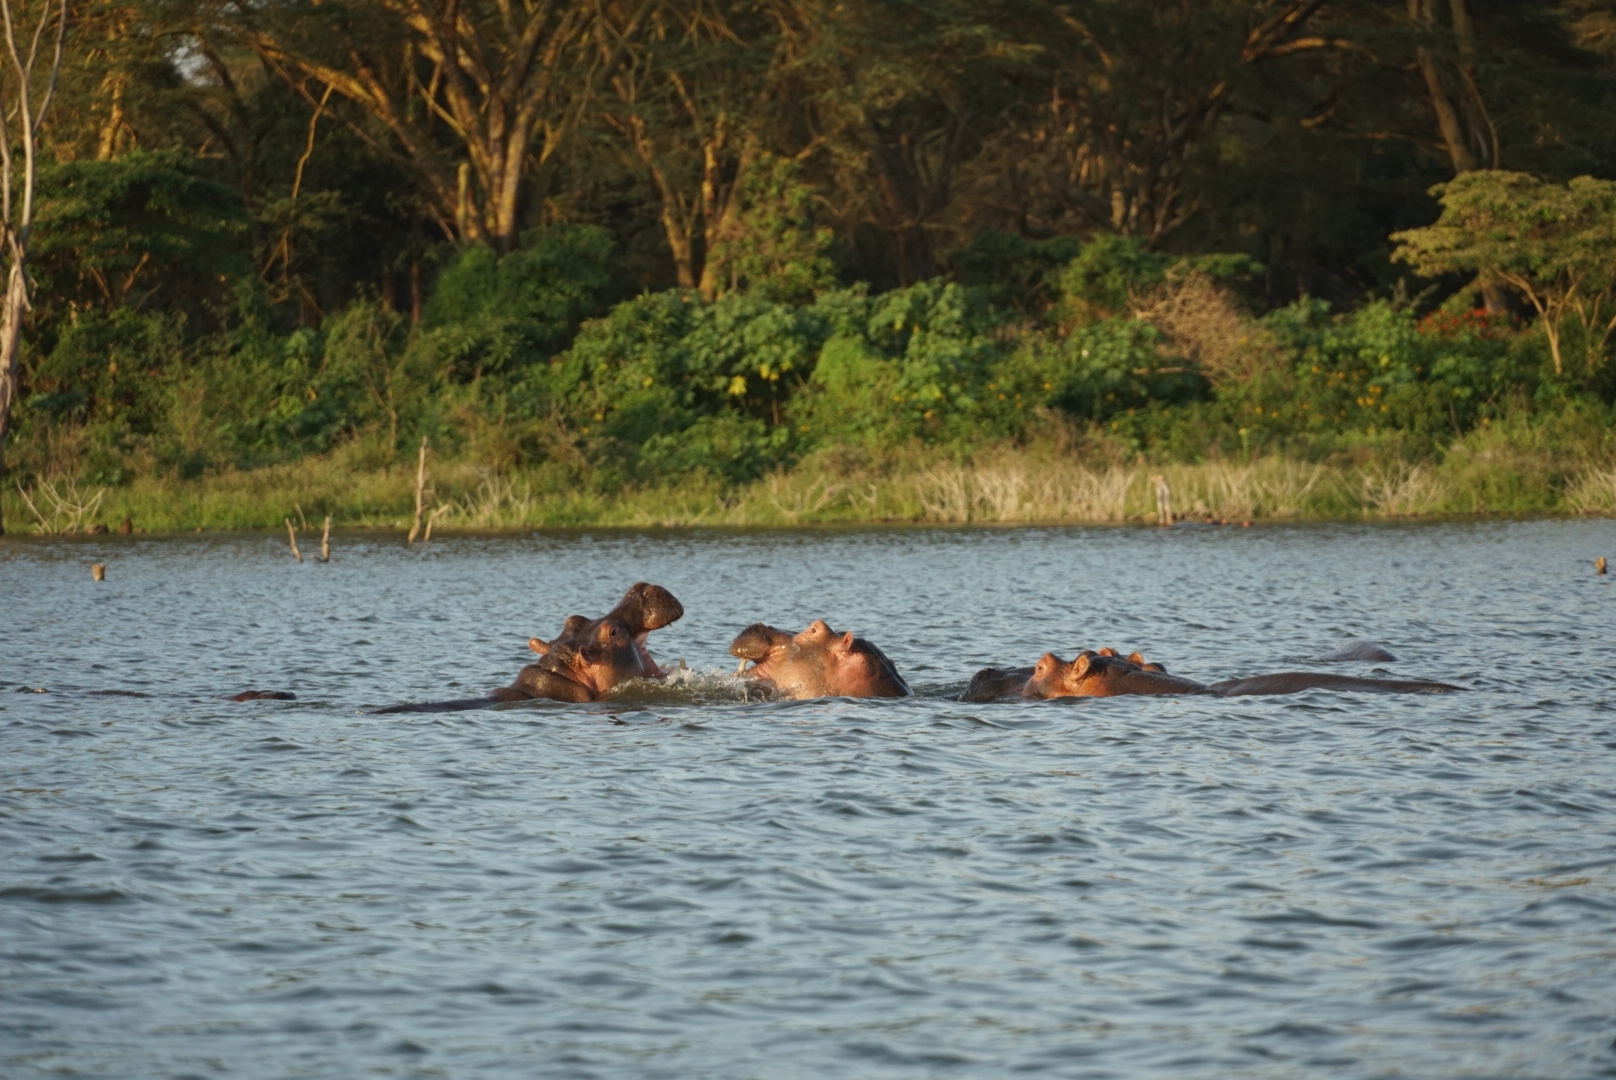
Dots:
pixel 685 884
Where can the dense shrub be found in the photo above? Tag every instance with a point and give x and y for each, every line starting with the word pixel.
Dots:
pixel 1157 353
pixel 494 314
pixel 916 363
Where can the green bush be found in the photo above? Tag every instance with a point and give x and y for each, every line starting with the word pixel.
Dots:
pixel 1381 369
pixel 668 383
pixel 916 363
pixel 143 231
pixel 493 314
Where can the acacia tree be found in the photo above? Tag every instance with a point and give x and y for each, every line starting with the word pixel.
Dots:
pixel 1116 102
pixel 479 94
pixel 1551 243
pixel 695 106
pixel 30 86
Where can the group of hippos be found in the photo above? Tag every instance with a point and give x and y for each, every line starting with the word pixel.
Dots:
pixel 591 657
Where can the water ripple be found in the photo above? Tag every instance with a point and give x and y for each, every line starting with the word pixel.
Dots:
pixel 690 881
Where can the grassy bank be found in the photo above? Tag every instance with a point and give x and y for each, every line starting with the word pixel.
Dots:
pixel 1485 474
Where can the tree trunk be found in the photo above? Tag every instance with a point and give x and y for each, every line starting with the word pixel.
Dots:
pixel 721 210
pixel 13 307
pixel 1461 115
pixel 1462 119
pixel 17 207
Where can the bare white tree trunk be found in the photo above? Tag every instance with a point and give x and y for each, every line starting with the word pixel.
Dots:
pixel 19 103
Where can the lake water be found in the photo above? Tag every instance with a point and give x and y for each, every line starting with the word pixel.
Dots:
pixel 688 884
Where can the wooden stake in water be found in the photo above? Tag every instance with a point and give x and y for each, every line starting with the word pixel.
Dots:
pixel 98 571
pixel 432 519
pixel 1599 565
pixel 420 494
pixel 325 541
pixel 291 536
pixel 1164 501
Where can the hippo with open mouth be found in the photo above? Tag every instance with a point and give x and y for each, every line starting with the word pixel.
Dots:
pixel 588 658
pixel 816 663
pixel 1108 674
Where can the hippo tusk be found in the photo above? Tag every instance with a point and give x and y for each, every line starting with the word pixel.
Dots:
pixel 741 667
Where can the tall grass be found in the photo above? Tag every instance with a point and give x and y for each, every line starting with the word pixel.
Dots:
pixel 1008 485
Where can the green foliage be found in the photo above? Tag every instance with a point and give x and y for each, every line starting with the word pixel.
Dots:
pixel 1552 243
pixel 1098 283
pixel 916 363
pixel 668 383
pixel 1013 268
pixel 1100 370
pixel 108 366
pixel 143 231
pixel 1109 272
pixel 774 249
pixel 1374 370
pixel 494 314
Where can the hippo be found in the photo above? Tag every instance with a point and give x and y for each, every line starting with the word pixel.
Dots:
pixel 1364 651
pixel 1107 674
pixel 587 659
pixel 818 662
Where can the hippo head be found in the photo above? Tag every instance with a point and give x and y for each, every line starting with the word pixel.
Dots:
pixel 817 662
pixel 598 654
pixel 1102 674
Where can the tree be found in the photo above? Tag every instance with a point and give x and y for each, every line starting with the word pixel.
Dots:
pixel 479 94
pixel 1117 100
pixel 32 87
pixel 695 107
pixel 1447 61
pixel 1551 243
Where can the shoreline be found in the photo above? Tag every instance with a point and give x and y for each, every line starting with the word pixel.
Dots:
pixel 388 532
pixel 1003 488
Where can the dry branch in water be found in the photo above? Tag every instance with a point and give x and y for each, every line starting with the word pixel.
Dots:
pixel 432 519
pixel 420 494
pixel 291 537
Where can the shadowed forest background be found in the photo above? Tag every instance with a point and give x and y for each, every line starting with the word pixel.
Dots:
pixel 659 261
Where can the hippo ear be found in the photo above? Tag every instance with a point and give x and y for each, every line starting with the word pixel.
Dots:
pixel 574 624
pixel 1109 651
pixel 1080 666
pixel 1137 659
pixel 845 644
pixel 538 645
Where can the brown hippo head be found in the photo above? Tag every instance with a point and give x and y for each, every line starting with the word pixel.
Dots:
pixel 996 684
pixel 590 656
pixel 1103 674
pixel 817 662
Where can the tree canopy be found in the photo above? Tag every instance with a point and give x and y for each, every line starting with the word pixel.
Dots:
pixel 642 238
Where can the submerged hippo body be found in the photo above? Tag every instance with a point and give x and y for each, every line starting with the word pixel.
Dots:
pixel 588 658
pixel 1106 674
pixel 1361 651
pixel 817 663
